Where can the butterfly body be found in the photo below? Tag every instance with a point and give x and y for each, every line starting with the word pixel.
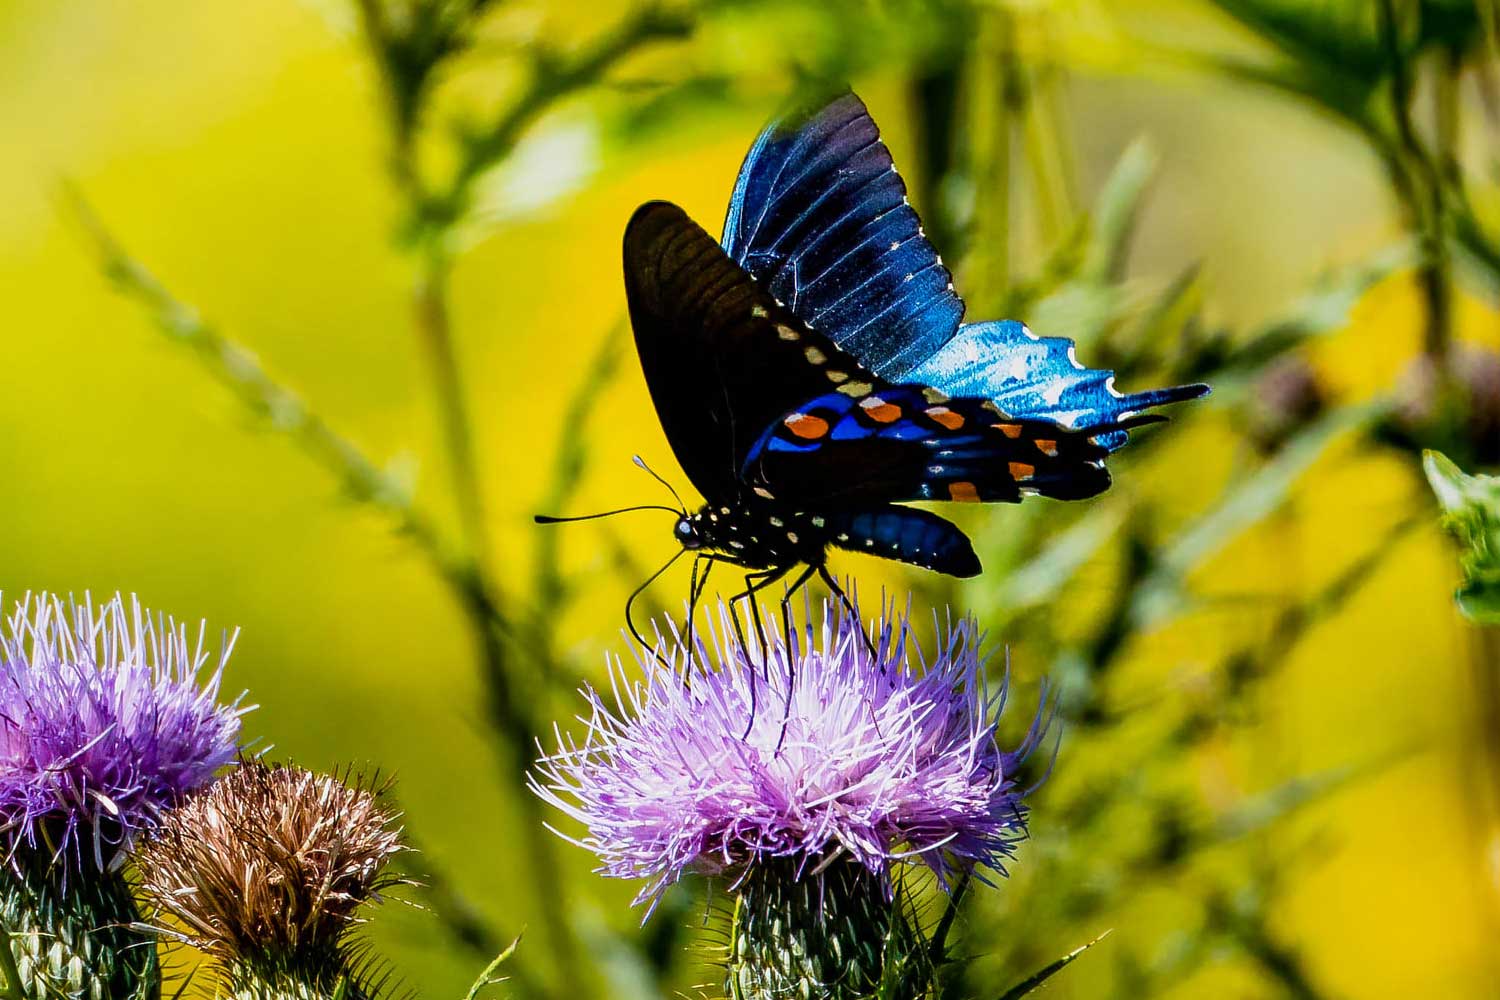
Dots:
pixel 755 533
pixel 759 534
pixel 813 374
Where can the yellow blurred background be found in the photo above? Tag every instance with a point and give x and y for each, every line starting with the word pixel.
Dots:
pixel 239 151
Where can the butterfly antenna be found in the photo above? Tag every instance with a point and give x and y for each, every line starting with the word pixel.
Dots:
pixel 630 602
pixel 652 473
pixel 549 519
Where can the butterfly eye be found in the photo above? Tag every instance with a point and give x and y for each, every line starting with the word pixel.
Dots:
pixel 687 534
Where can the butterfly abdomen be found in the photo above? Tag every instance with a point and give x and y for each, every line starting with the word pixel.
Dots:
pixel 906 534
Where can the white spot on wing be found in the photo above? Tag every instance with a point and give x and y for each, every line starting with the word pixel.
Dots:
pixel 1066 418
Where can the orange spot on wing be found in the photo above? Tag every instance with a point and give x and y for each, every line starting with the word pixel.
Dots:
pixel 1009 430
pixel 806 426
pixel 879 410
pixel 946 417
pixel 1048 448
pixel 1020 471
pixel 963 492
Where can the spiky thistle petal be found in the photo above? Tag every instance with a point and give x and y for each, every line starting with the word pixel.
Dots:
pixel 712 766
pixel 107 717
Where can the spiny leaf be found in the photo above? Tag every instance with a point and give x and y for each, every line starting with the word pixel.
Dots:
pixel 1035 980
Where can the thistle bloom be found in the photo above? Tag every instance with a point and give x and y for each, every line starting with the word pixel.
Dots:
pixel 106 719
pixel 267 870
pixel 795 757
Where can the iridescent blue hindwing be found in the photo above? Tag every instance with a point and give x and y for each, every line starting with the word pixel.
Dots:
pixel 820 219
pixel 1039 378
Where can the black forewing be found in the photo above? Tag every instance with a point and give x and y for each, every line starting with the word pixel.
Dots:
pixel 722 359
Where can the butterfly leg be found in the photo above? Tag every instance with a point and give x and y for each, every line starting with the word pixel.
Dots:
pixel 754 582
pixel 837 591
pixel 696 585
pixel 791 663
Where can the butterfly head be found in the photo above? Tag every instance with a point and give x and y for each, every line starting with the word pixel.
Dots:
pixel 686 532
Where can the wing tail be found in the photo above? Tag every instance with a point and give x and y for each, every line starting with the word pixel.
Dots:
pixel 1039 378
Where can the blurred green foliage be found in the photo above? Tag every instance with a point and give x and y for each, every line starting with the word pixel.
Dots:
pixel 1278 769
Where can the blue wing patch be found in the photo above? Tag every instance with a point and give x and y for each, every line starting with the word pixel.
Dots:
pixel 911 442
pixel 820 219
pixel 1039 378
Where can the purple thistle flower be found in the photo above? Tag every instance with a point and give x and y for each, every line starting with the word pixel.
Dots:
pixel 869 758
pixel 106 719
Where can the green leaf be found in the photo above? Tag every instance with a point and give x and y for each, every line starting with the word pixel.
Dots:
pixel 1164 321
pixel 489 976
pixel 1116 209
pixel 1471 513
pixel 1029 984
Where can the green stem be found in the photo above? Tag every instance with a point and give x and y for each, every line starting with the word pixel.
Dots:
pixel 238 371
pixel 13 989
pixel 480 600
pixel 552 79
pixel 435 330
pixel 1420 185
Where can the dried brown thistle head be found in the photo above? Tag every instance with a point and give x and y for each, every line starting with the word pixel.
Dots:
pixel 266 870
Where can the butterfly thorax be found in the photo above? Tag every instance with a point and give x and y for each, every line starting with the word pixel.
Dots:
pixel 755 533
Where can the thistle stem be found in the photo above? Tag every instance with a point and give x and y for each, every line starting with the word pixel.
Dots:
pixel 1420 185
